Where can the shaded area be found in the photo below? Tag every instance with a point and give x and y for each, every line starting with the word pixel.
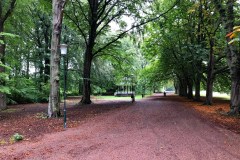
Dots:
pixel 30 120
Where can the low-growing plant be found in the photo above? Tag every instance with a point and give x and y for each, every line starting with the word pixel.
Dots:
pixel 16 137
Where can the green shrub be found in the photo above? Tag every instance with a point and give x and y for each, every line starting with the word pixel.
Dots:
pixel 23 90
pixel 17 137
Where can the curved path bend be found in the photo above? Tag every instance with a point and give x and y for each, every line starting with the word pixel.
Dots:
pixel 157 128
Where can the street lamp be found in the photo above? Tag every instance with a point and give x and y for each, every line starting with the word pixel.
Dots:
pixel 63 48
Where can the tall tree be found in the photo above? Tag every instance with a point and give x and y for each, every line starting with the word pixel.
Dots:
pixel 226 11
pixel 54 105
pixel 6 9
pixel 97 16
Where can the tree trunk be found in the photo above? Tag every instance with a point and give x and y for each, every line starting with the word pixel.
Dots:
pixel 197 87
pixel 235 96
pixel 233 57
pixel 200 39
pixel 93 16
pixel 3 104
pixel 189 89
pixel 46 55
pixel 176 86
pixel 86 99
pixel 41 69
pixel 234 64
pixel 54 105
pixel 3 18
pixel 46 69
pixel 182 88
pixel 28 65
pixel 210 75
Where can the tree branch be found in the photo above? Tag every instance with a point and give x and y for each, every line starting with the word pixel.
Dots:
pixel 81 8
pixel 107 12
pixel 78 26
pixel 9 11
pixel 221 70
pixel 106 24
pixel 135 26
pixel 102 9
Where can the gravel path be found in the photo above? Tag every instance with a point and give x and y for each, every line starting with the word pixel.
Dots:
pixel 157 128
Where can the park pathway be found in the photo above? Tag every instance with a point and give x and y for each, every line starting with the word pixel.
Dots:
pixel 156 128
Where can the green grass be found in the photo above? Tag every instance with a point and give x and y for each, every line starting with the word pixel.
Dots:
pixel 117 98
pixel 217 95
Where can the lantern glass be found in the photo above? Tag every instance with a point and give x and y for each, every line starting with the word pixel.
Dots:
pixel 63 48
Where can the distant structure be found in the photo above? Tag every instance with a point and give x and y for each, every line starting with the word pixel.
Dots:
pixel 125 88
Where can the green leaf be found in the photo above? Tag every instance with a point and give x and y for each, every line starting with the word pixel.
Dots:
pixel 5 89
pixel 5 66
pixel 8 35
pixel 234 40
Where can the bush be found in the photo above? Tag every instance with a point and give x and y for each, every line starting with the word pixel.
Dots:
pixel 23 90
pixel 16 137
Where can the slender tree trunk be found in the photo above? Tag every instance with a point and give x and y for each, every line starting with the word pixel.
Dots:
pixel 80 84
pixel 41 69
pixel 200 39
pixel 46 69
pixel 54 100
pixel 210 75
pixel 189 89
pixel 176 86
pixel 197 87
pixel 28 65
pixel 198 75
pixel 3 104
pixel 46 55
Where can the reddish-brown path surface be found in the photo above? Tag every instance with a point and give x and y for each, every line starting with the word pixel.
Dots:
pixel 150 129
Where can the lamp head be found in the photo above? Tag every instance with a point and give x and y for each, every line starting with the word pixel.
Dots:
pixel 63 48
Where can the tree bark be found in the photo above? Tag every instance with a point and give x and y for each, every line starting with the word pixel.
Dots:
pixel 210 75
pixel 3 104
pixel 54 100
pixel 234 63
pixel 233 57
pixel 93 16
pixel 182 87
pixel 200 39
pixel 86 98
pixel 46 58
pixel 176 86
pixel 189 89
pixel 3 18
pixel 198 86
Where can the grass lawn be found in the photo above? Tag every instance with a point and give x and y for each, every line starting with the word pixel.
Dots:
pixel 217 95
pixel 117 98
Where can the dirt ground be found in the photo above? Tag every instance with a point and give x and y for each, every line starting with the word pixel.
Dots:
pixel 153 128
pixel 30 120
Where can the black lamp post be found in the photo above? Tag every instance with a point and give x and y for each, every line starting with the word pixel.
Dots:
pixel 63 48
